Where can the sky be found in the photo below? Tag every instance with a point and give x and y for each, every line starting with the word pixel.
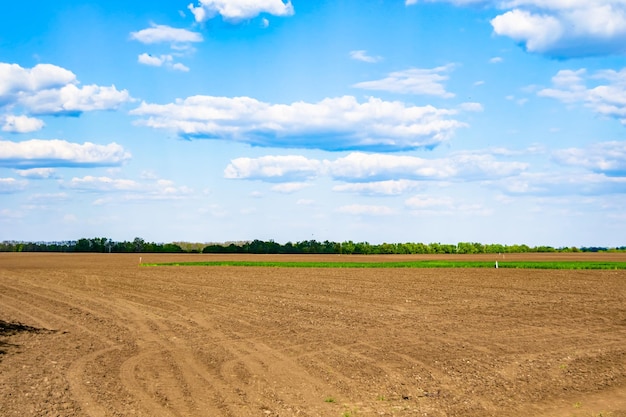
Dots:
pixel 493 121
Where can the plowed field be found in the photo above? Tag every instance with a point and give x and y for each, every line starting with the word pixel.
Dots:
pixel 100 335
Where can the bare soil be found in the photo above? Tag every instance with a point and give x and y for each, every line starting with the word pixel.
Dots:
pixel 100 335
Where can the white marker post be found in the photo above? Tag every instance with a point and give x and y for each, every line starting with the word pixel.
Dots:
pixel 496 264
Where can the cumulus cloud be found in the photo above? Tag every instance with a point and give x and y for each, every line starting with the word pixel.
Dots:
pixel 179 40
pixel 165 60
pixel 166 34
pixel 48 89
pixel 413 81
pixel 180 67
pixel 332 124
pixel 37 173
pixel 15 80
pixel 362 55
pixel 538 32
pixel 376 173
pixel 368 167
pixel 153 61
pixel 11 185
pixel 606 96
pixel 268 167
pixel 72 100
pixel 21 124
pixel 237 10
pixel 597 169
pixel 559 28
pixel 608 158
pixel 38 153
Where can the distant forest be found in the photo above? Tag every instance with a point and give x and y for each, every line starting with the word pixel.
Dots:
pixel 138 245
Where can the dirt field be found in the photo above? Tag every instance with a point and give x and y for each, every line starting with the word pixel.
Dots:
pixel 98 335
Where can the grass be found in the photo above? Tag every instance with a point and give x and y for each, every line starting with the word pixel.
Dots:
pixel 408 264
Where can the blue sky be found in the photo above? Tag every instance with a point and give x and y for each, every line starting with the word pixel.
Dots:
pixel 498 121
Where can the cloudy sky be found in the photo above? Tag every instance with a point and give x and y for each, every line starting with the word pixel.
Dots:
pixel 498 121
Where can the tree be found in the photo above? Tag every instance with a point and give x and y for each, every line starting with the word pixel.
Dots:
pixel 138 244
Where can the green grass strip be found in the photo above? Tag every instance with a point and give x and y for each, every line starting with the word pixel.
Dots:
pixel 408 264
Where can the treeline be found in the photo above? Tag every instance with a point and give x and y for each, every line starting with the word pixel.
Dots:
pixel 139 245
pixel 97 245
pixel 365 248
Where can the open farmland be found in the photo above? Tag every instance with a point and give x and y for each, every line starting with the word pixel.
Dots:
pixel 100 335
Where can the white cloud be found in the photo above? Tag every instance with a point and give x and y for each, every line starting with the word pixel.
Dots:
pixel 16 80
pixel 413 81
pixel 73 100
pixel 496 60
pixel 268 167
pixel 48 89
pixel 179 40
pixel 236 10
pixel 37 173
pixel 566 28
pixel 392 173
pixel 37 153
pixel 180 67
pixel 122 190
pixel 560 183
pixel 165 34
pixel 389 187
pixel 367 167
pixel 608 98
pixel 370 210
pixel 166 60
pixel 153 61
pixel 471 107
pixel 538 32
pixel 559 28
pixel 91 183
pixel 21 124
pixel 361 55
pixel 437 206
pixel 533 149
pixel 332 124
pixel 608 158
pixel 11 185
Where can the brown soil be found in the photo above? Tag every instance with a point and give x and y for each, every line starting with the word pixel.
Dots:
pixel 99 335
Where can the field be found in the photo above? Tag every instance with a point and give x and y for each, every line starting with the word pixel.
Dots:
pixel 101 335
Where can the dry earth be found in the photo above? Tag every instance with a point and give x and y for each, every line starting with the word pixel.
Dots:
pixel 99 335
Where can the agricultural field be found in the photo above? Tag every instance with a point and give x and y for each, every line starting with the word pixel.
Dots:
pixel 103 335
